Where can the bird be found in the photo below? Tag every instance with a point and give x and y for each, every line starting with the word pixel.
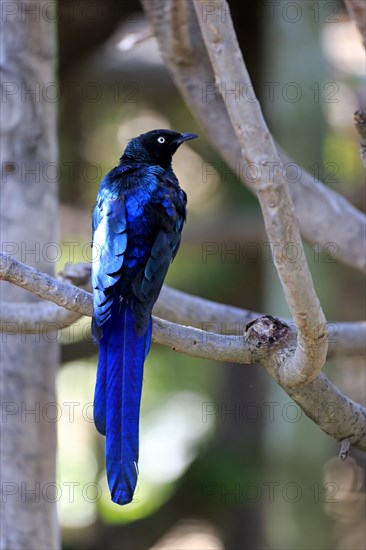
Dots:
pixel 136 232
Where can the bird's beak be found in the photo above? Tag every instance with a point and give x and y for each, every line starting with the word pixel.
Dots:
pixel 185 137
pixel 181 139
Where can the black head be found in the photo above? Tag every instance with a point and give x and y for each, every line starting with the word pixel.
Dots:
pixel 155 147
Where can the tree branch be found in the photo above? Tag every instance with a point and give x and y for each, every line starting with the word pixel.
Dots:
pixel 316 206
pixel 265 340
pixel 360 125
pixel 43 285
pixel 345 339
pixel 36 317
pixel 258 149
pixel 357 11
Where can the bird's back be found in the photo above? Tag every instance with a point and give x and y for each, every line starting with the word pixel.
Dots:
pixel 153 202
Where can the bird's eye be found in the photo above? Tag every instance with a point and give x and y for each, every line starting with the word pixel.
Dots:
pixel 161 139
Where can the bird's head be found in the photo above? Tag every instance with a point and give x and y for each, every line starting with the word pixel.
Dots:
pixel 155 147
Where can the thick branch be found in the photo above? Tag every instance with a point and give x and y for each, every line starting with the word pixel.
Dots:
pixel 258 149
pixel 316 206
pixel 35 317
pixel 345 339
pixel 179 308
pixel 43 285
pixel 265 340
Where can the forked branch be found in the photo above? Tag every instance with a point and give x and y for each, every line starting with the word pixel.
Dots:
pixel 265 340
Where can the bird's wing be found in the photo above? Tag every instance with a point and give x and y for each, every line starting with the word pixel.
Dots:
pixel 148 283
pixel 109 244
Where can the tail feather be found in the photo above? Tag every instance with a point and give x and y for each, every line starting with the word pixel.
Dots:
pixel 122 353
pixel 100 387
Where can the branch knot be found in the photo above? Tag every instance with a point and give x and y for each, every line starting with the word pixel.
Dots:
pixel 265 331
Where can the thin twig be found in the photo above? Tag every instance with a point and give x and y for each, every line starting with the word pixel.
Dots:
pixel 344 451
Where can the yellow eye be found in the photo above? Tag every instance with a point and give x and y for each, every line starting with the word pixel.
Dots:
pixel 161 139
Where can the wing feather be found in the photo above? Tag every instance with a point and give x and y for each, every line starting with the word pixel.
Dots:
pixel 109 245
pixel 148 283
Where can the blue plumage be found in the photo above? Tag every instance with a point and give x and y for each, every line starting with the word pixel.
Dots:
pixel 137 223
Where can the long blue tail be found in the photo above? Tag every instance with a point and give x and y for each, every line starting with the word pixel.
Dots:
pixel 117 398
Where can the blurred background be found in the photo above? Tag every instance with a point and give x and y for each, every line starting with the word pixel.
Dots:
pixel 227 461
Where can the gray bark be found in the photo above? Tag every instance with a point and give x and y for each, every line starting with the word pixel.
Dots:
pixel 28 223
pixel 265 340
pixel 177 31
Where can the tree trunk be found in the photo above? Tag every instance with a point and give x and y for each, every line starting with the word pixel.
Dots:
pixel 28 226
